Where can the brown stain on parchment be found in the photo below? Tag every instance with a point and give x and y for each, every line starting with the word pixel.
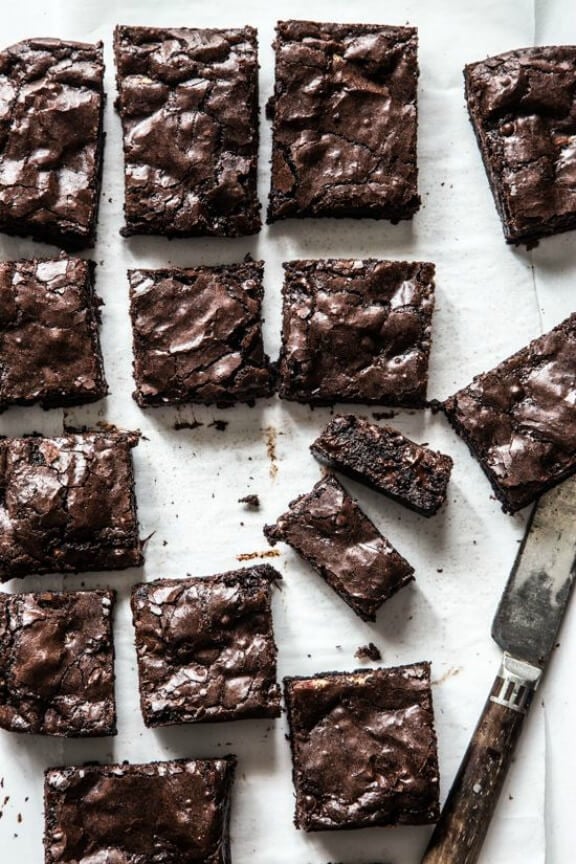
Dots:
pixel 270 437
pixel 249 556
pixel 452 671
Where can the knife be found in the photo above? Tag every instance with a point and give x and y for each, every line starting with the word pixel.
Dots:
pixel 525 627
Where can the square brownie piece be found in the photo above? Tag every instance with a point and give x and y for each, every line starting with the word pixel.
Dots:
pixel 329 530
pixel 519 419
pixel 57 663
pixel 174 811
pixel 49 343
pixel 382 458
pixel 197 335
pixel 51 146
pixel 522 105
pixel 364 749
pixel 188 100
pixel 68 504
pixel 356 331
pixel 206 648
pixel 344 121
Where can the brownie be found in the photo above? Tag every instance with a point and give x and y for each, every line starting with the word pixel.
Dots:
pixel 51 140
pixel 363 748
pixel 67 504
pixel 49 344
pixel 57 663
pixel 382 458
pixel 197 335
pixel 356 331
pixel 522 105
pixel 329 530
pixel 173 811
pixel 344 121
pixel 188 100
pixel 519 419
pixel 205 647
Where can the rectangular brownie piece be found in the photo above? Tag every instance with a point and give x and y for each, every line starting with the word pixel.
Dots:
pixel 51 140
pixel 175 811
pixel 356 331
pixel 188 100
pixel 344 121
pixel 522 105
pixel 382 458
pixel 57 663
pixel 49 343
pixel 327 527
pixel 68 504
pixel 519 419
pixel 364 749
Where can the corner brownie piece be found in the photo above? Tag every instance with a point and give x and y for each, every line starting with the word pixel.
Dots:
pixel 327 527
pixel 356 331
pixel 188 100
pixel 68 504
pixel 206 648
pixel 382 458
pixel 522 105
pixel 57 663
pixel 364 749
pixel 197 335
pixel 344 121
pixel 51 140
pixel 139 814
pixel 49 344
pixel 519 419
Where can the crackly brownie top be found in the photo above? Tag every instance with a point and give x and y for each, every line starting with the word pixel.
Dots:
pixel 364 748
pixel 198 335
pixel 56 663
pixel 189 106
pixel 67 504
pixel 356 331
pixel 205 647
pixel 49 346
pixel 344 121
pixel 50 110
pixel 523 106
pixel 139 814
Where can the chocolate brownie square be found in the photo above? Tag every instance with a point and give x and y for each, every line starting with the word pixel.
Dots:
pixel 57 663
pixel 197 335
pixel 327 527
pixel 356 331
pixel 51 143
pixel 174 811
pixel 49 343
pixel 206 648
pixel 344 121
pixel 188 100
pixel 522 105
pixel 68 504
pixel 364 749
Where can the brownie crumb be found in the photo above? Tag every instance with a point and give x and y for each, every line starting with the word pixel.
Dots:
pixel 251 501
pixel 368 652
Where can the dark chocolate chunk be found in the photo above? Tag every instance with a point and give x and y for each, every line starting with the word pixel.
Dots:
pixel 363 748
pixel 344 121
pixel 206 648
pixel 382 458
pixel 330 531
pixel 188 100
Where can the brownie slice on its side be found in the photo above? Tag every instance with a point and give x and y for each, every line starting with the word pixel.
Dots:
pixel 364 749
pixel 159 811
pixel 188 100
pixel 327 527
pixel 522 105
pixel 382 458
pixel 344 121
pixel 51 145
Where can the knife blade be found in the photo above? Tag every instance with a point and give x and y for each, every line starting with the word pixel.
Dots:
pixel 526 627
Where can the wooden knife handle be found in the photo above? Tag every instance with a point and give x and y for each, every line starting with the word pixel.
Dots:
pixel 464 821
